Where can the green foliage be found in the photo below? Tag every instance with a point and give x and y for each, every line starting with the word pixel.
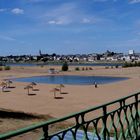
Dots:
pixel 106 67
pixel 77 68
pixel 42 66
pixel 138 64
pixel 116 66
pixel 83 68
pixel 1 68
pixel 130 64
pixel 7 67
pixel 65 66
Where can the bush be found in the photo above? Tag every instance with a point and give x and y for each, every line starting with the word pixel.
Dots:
pixel 7 67
pixel 41 66
pixel 130 64
pixel 135 63
pixel 77 68
pixel 116 66
pixel 138 64
pixel 1 68
pixel 83 68
pixel 106 67
pixel 125 65
pixel 65 67
pixel 90 68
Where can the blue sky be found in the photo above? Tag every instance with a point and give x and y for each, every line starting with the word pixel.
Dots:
pixel 69 26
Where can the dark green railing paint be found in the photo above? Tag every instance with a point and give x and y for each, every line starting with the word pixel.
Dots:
pixel 122 123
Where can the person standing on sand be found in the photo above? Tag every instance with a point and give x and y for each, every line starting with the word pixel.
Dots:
pixel 95 84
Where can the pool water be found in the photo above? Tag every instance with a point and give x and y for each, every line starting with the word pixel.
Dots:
pixel 71 80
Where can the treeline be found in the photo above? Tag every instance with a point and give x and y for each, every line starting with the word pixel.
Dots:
pixel 131 64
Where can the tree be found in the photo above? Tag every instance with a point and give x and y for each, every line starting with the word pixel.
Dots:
pixel 65 66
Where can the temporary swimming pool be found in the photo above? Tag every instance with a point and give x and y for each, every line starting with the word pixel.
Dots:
pixel 71 80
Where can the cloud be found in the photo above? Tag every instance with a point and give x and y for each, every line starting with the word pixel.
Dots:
pixel 52 22
pixel 134 1
pixel 7 38
pixel 64 14
pixel 60 15
pixel 91 20
pixel 14 40
pixel 57 22
pixel 61 10
pixel 3 10
pixel 14 11
pixel 62 20
pixel 86 20
pixel 17 11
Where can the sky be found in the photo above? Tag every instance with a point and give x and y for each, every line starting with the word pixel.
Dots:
pixel 69 26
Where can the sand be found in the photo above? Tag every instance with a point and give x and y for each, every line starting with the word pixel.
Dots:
pixel 75 97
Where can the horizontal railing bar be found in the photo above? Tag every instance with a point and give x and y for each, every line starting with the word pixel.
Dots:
pixel 60 132
pixel 108 113
pixel 52 121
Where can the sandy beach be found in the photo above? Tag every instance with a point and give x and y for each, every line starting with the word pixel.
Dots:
pixel 76 97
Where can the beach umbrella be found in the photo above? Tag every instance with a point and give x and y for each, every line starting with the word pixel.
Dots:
pixel 3 85
pixel 28 87
pixel 8 81
pixel 60 87
pixel 54 90
pixel 32 84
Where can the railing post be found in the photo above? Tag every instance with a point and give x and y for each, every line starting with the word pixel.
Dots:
pixel 137 114
pixel 122 105
pixel 104 122
pixel 45 135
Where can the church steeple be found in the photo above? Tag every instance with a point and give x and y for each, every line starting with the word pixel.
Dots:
pixel 40 52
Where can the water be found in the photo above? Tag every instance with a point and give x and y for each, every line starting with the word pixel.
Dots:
pixel 21 64
pixel 84 64
pixel 71 80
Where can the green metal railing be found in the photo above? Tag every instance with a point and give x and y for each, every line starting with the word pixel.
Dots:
pixel 117 120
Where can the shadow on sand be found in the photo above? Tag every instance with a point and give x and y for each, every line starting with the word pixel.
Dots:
pixel 12 87
pixel 35 89
pixel 21 115
pixel 58 97
pixel 64 93
pixel 31 94
pixel 6 91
